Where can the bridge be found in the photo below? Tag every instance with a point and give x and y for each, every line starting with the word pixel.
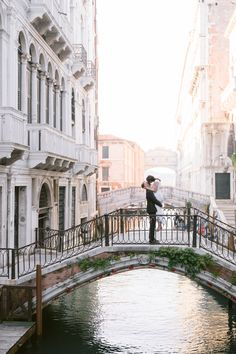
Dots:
pixel 160 157
pixel 190 242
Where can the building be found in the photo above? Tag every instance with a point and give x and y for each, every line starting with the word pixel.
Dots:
pixel 204 125
pixel 121 163
pixel 48 116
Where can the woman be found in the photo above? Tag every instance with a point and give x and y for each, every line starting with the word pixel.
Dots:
pixel 153 184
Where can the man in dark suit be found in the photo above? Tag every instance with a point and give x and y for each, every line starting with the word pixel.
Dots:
pixel 151 210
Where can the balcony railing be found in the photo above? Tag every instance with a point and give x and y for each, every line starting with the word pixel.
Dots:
pixel 80 61
pixel 80 53
pixel 46 142
pixel 13 127
pixel 85 158
pixel 91 70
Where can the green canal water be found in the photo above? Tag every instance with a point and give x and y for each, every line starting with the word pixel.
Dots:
pixel 137 312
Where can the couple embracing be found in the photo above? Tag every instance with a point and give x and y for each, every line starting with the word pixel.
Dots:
pixel 154 204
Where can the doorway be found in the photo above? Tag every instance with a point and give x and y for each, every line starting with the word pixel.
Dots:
pixel 222 185
pixel 44 213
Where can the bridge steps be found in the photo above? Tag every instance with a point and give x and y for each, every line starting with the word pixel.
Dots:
pixel 228 207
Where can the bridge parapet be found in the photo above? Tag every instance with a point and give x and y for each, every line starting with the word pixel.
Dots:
pixel 119 198
pixel 176 197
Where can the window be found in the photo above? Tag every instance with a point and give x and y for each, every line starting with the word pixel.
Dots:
pixel 29 92
pixel 54 107
pixel 73 112
pixel 105 152
pixel 105 189
pixel 61 110
pixel 73 106
pixel 19 89
pixel 105 173
pixel 83 116
pixel 84 197
pixel 73 206
pixel 38 96
pixel 47 101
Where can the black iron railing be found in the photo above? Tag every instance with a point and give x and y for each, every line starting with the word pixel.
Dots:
pixel 188 227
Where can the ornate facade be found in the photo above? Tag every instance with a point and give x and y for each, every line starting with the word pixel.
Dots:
pixel 205 131
pixel 48 116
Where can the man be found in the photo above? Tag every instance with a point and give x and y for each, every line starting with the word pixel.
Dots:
pixel 151 208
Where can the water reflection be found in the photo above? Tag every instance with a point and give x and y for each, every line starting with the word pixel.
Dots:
pixel 138 312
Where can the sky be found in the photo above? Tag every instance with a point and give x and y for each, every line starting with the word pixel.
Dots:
pixel 141 49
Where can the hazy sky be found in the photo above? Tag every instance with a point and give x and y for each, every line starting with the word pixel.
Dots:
pixel 141 48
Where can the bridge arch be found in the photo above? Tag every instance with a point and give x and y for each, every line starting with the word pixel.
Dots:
pixel 162 163
pixel 64 280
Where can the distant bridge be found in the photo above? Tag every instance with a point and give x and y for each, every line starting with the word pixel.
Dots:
pixel 160 157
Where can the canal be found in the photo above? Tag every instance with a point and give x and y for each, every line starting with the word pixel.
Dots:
pixel 143 311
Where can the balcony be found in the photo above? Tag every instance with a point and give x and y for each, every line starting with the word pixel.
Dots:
pixel 52 25
pixel 13 138
pixel 79 61
pixel 228 96
pixel 88 80
pixel 50 149
pixel 87 160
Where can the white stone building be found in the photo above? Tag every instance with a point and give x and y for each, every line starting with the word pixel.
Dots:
pixel 205 142
pixel 48 116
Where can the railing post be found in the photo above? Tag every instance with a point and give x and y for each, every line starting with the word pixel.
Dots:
pixel 39 299
pixel 121 221
pixel 188 210
pixel 106 230
pixel 36 237
pixel 13 264
pixel 194 244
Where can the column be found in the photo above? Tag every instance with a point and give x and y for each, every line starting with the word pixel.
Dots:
pixel 24 59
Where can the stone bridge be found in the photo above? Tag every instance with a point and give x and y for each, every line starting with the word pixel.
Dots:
pixel 62 278
pixel 199 247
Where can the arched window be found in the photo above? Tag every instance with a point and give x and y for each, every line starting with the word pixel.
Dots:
pixel 39 95
pixel 19 86
pixel 39 88
pixel 61 98
pixel 54 107
pixel 84 196
pixel 73 112
pixel 29 89
pixel 47 100
pixel 83 117
pixel 47 82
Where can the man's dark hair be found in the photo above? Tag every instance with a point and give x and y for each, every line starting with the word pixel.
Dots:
pixel 150 179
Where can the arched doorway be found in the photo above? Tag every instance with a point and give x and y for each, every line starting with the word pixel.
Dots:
pixel 44 211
